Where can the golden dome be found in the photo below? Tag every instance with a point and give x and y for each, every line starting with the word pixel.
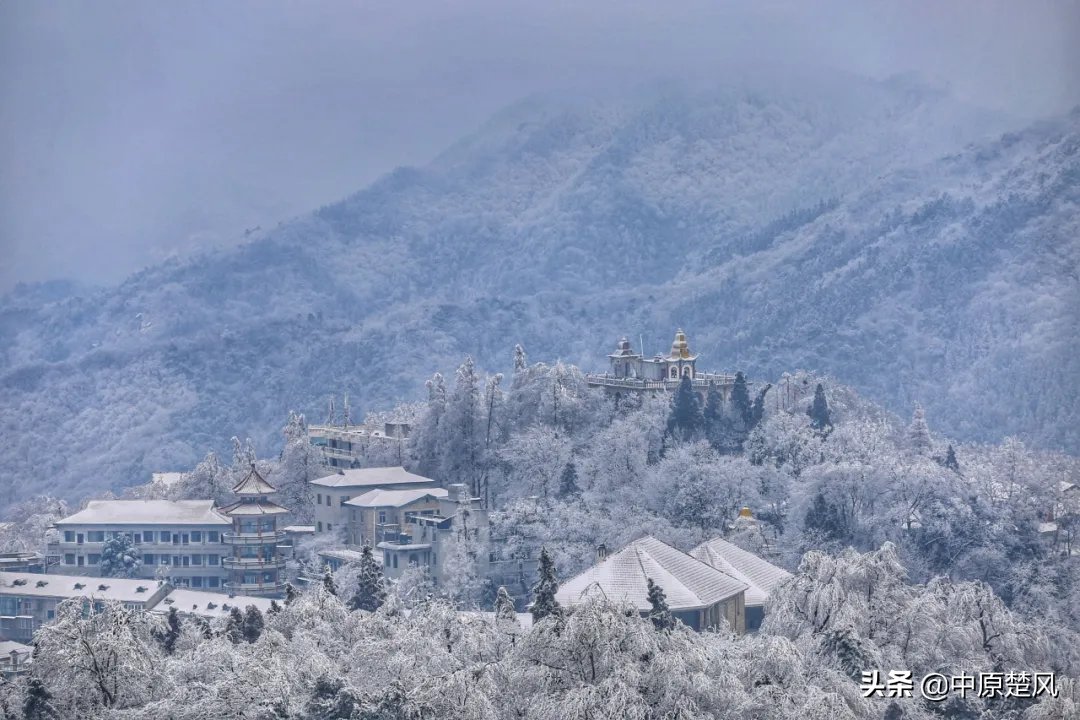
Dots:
pixel 745 513
pixel 679 347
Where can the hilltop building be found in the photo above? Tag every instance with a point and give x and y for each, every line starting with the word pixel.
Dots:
pixel 698 594
pixel 631 371
pixel 380 513
pixel 333 491
pixel 255 565
pixel 344 446
pixel 183 539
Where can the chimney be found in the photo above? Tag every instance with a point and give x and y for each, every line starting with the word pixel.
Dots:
pixel 601 552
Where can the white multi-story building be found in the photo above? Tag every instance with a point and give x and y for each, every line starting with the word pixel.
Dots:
pixel 179 540
pixel 346 446
pixel 333 491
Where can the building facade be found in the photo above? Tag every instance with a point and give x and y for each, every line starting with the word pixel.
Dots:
pixel 181 540
pixel 633 372
pixel 333 491
pixel 380 514
pixel 256 565
pixel 346 446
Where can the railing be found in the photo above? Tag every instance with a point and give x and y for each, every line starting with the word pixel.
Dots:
pixel 272 537
pixel 255 588
pixel 699 380
pixel 244 562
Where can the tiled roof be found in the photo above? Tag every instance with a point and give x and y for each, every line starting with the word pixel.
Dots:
pixel 146 512
pixel 371 477
pixel 208 604
pixel 260 507
pixel 137 590
pixel 761 575
pixel 394 498
pixel 687 582
pixel 253 484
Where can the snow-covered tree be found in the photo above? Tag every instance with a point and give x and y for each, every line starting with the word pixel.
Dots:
pixel 300 463
pixel 919 432
pixel 544 603
pixel 119 557
pixel 820 417
pixel 370 587
pixel 659 613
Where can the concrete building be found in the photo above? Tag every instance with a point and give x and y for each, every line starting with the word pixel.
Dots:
pixel 760 576
pixel 380 515
pixel 698 594
pixel 346 446
pixel 334 490
pixel 29 600
pixel 255 565
pixel 15 658
pixel 183 539
pixel 632 372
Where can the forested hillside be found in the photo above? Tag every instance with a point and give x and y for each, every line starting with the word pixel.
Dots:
pixel 834 224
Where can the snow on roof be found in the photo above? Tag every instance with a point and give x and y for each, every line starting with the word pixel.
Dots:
pixel 147 512
pixel 760 575
pixel 260 507
pixel 371 477
pixel 166 479
pixel 300 529
pixel 208 604
pixel 343 554
pixel 253 484
pixel 133 590
pixel 687 582
pixel 394 498
pixel 9 646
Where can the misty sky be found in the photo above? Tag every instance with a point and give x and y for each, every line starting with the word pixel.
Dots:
pixel 129 131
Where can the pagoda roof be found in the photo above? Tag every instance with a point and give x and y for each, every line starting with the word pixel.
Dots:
pixel 258 507
pixel 253 484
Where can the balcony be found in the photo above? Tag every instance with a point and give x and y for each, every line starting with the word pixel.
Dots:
pixel 244 563
pixel 266 588
pixel 271 537
pixel 701 380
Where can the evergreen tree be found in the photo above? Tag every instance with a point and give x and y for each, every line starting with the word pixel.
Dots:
pixel 290 593
pixel 234 626
pixel 331 700
pixel 37 705
pixel 172 631
pixel 819 411
pixel 521 364
pixel 370 587
pixel 685 420
pixel 740 399
pixel 757 410
pixel 328 581
pixel 713 414
pixel 274 608
pixel 950 460
pixel 253 623
pixel 919 432
pixel 544 602
pixel 568 486
pixel 461 440
pixel 660 613
pixel 504 606
pixel 119 558
pixel 825 518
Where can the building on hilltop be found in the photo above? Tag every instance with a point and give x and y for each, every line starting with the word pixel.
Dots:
pixel 180 540
pixel 333 491
pixel 380 514
pixel 631 372
pixel 698 594
pixel 761 577
pixel 256 565
pixel 345 446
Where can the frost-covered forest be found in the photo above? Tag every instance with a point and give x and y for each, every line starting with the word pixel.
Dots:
pixel 911 551
pixel 878 231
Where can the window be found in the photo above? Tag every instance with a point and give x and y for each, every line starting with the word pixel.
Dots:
pixel 69 536
pixel 93 559
pixel 185 538
pixel 329 527
pixel 212 582
pixel 148 560
pixel 165 537
pixel 69 559
pixel 395 561
pixel 95 536
pixel 196 582
pixel 212 536
pixel 148 536
pixel 176 560
pixel 318 498
pixel 196 536
pixel 318 526
pixel 382 517
pixel 213 560
pixel 137 539
pixel 196 559
pixel 164 559
pixel 674 372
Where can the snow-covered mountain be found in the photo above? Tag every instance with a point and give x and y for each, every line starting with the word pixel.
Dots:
pixel 881 232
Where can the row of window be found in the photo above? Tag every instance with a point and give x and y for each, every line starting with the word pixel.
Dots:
pixel 329 500
pixel 149 560
pixel 197 582
pixel 145 537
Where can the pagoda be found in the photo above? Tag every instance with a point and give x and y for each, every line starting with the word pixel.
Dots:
pixel 256 566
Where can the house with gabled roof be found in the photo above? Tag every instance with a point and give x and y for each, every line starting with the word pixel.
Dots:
pixel 761 576
pixel 380 515
pixel 331 492
pixel 698 594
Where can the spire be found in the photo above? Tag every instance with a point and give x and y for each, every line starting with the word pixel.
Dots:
pixel 253 484
pixel 679 347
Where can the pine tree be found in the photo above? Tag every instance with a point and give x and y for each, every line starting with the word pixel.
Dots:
pixel 461 436
pixel 504 606
pixel 328 581
pixel 950 460
pixel 253 623
pixel 119 558
pixel 919 432
pixel 234 626
pixel 172 631
pixel 568 486
pixel 757 410
pixel 521 363
pixel 685 419
pixel 370 587
pixel 37 704
pixel 819 411
pixel 740 399
pixel 713 414
pixel 660 613
pixel 274 608
pixel 825 518
pixel 290 593
pixel 544 602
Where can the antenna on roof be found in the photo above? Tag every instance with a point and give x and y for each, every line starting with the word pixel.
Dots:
pixel 641 344
pixel 330 416
pixel 346 418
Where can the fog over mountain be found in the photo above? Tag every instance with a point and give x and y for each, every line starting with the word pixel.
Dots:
pixel 880 231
